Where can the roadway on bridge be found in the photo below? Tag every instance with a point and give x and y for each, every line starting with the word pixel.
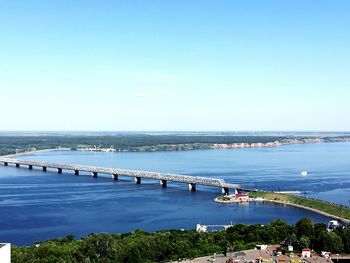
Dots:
pixel 191 180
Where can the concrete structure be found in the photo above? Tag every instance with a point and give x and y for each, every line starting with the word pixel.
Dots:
pixel 5 252
pixel 206 228
pixel 192 181
pixel 163 183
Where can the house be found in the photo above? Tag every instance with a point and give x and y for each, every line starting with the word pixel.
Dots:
pixel 306 253
pixel 261 247
pixel 242 197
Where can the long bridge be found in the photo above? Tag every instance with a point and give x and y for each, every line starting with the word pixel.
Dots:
pixel 163 178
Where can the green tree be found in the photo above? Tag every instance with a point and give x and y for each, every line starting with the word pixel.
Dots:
pixel 332 242
pixel 97 248
pixel 304 242
pixel 304 227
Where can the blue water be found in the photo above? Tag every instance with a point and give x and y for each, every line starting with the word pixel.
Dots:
pixel 37 206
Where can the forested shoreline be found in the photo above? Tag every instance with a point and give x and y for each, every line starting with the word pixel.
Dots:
pixel 161 246
pixel 143 142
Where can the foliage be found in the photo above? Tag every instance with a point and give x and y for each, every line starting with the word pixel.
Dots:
pixel 140 246
pixel 136 142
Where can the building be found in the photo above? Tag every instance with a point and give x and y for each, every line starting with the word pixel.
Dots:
pixel 242 197
pixel 306 253
pixel 5 253
pixel 333 224
pixel 261 247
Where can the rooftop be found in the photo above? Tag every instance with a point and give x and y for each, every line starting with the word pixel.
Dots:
pixel 254 255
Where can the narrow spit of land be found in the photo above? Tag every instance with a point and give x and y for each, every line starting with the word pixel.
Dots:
pixel 325 208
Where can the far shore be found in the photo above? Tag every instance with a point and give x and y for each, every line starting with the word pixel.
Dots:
pixel 184 147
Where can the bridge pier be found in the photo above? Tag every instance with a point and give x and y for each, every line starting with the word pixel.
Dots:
pixel 6 164
pixel 94 174
pixel 163 183
pixel 17 165
pixel 44 168
pixel 76 172
pixel 225 190
pixel 59 170
pixel 30 167
pixel 138 180
pixel 192 187
pixel 115 177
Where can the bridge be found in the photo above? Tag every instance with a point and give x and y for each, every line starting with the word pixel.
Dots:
pixel 163 178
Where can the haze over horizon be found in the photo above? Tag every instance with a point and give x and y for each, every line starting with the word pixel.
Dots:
pixel 175 65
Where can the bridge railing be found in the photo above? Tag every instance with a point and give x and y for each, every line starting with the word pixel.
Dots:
pixel 216 182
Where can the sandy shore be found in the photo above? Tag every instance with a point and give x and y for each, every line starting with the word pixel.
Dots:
pixel 266 144
pixel 35 151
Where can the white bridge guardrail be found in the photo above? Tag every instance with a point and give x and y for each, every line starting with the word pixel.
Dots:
pixel 214 182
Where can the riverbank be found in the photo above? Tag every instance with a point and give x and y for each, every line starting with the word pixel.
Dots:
pixel 310 209
pixel 168 147
pixel 153 143
pixel 324 208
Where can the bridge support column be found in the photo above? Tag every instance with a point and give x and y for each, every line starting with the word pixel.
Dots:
pixel 94 174
pixel 225 191
pixel 163 183
pixel 30 167
pixel 138 180
pixel 59 170
pixel 6 164
pixel 44 168
pixel 115 177
pixel 192 187
pixel 17 165
pixel 76 172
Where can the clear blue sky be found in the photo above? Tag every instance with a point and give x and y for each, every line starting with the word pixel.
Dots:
pixel 175 65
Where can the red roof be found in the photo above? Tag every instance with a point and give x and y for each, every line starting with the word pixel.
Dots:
pixel 241 195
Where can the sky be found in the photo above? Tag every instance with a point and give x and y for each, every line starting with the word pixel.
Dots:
pixel 175 65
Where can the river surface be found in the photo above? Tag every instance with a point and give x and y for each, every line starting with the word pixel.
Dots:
pixel 37 206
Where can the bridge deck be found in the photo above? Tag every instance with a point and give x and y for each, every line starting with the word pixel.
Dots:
pixel 214 182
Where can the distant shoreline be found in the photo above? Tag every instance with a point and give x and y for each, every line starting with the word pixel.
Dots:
pixel 185 147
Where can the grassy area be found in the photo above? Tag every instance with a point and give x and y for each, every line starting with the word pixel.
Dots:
pixel 323 206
